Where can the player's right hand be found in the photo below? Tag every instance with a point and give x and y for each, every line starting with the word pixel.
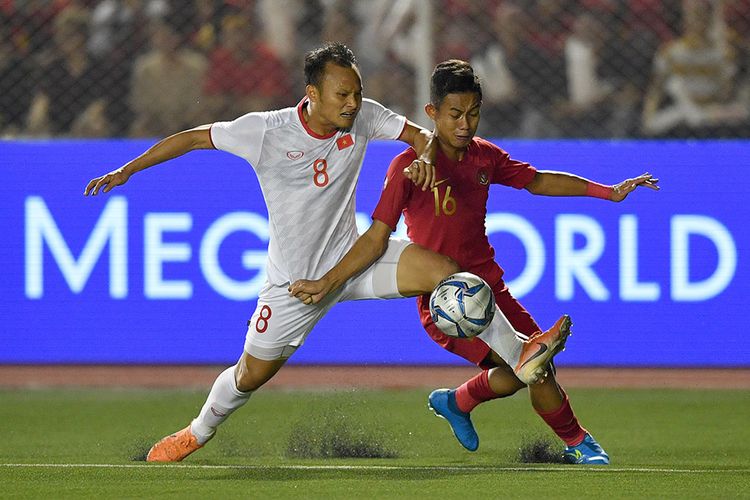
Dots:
pixel 310 291
pixel 422 173
pixel 106 182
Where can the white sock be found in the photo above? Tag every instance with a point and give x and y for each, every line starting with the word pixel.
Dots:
pixel 504 339
pixel 223 399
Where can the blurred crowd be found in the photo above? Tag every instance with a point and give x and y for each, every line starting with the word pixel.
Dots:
pixel 550 68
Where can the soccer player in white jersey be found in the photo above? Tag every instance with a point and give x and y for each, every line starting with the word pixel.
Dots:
pixel 307 159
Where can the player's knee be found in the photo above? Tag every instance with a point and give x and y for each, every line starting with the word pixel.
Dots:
pixel 503 381
pixel 247 379
pixel 502 371
pixel 251 373
pixel 243 380
pixel 444 267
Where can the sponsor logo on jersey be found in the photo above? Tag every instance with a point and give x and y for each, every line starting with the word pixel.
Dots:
pixel 294 155
pixel 344 141
pixel 483 177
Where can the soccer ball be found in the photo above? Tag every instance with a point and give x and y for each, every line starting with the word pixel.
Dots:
pixel 462 305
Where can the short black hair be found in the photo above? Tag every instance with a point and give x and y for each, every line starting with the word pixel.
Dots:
pixel 316 60
pixel 451 77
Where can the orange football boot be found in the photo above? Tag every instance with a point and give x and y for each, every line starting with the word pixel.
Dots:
pixel 174 447
pixel 539 350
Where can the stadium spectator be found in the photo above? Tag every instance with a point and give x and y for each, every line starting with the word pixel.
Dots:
pixel 339 23
pixel 16 83
pixel 32 23
pixel 585 109
pixel 463 27
pixel 385 39
pixel 244 72
pixel 547 103
pixel 543 67
pixel 118 35
pixel 280 19
pixel 69 99
pixel 653 19
pixel 737 14
pixel 634 31
pixel 115 23
pixel 497 65
pixel 166 88
pixel 694 91
pixel 205 32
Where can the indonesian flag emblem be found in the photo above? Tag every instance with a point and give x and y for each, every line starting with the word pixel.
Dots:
pixel 344 141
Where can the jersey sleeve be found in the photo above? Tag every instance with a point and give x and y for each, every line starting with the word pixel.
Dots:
pixel 382 123
pixel 396 190
pixel 242 137
pixel 509 172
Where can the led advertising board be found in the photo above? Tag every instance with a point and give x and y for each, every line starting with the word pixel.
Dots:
pixel 166 269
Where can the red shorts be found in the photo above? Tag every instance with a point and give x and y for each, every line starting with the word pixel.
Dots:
pixel 475 350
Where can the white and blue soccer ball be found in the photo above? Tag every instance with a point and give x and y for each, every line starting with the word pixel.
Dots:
pixel 462 305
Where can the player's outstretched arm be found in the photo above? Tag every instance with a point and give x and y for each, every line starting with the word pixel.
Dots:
pixel 422 170
pixel 550 183
pixel 166 149
pixel 367 249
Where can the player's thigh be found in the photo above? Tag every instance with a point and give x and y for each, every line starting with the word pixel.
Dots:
pixel 281 323
pixel 380 280
pixel 420 270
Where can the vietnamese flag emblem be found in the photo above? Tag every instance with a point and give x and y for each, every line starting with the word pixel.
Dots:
pixel 344 141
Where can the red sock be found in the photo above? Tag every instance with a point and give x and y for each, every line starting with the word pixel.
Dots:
pixel 564 422
pixel 474 391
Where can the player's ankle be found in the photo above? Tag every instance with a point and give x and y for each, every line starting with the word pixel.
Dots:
pixel 202 433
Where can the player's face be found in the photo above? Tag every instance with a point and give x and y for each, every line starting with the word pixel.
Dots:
pixel 338 99
pixel 456 120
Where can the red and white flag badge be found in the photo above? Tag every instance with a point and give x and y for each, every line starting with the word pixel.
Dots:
pixel 344 141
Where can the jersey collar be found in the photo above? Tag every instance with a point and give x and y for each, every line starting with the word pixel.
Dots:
pixel 442 157
pixel 310 132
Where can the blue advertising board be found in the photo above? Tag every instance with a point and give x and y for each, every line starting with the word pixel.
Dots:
pixel 166 269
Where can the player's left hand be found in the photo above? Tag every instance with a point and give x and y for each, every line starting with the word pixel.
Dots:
pixel 422 173
pixel 310 291
pixel 622 190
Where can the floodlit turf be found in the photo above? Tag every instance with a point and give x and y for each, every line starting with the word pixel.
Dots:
pixel 90 444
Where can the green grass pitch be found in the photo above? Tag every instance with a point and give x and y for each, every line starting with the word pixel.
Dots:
pixel 90 444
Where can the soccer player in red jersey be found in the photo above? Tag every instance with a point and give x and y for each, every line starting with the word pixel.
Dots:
pixel 447 217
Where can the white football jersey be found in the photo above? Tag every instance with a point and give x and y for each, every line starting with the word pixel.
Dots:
pixel 308 182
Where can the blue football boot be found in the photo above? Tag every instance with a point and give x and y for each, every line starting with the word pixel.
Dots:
pixel 587 452
pixel 443 403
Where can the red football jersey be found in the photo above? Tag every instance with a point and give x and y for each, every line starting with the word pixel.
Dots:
pixel 449 219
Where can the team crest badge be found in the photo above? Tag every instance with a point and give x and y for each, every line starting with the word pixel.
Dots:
pixel 295 155
pixel 482 177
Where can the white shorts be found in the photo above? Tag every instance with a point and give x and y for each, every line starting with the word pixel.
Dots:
pixel 281 322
